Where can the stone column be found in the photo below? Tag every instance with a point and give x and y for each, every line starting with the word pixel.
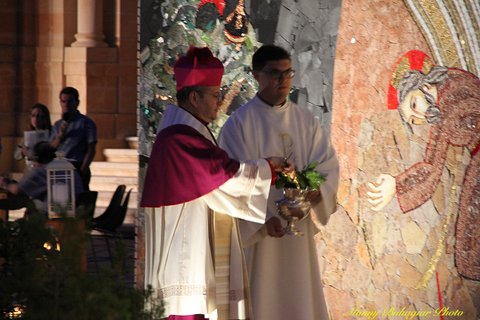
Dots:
pixel 91 66
pixel 89 24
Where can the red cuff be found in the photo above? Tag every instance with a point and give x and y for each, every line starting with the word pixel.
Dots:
pixel 274 174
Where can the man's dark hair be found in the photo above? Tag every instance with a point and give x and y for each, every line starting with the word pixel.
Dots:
pixel 43 152
pixel 267 53
pixel 182 94
pixel 71 91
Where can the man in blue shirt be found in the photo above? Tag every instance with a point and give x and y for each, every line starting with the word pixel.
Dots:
pixel 75 134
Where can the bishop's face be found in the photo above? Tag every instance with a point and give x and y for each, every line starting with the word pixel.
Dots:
pixel 274 81
pixel 414 106
pixel 207 102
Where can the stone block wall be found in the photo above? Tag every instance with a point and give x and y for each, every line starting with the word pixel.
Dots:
pixel 37 61
pixel 16 79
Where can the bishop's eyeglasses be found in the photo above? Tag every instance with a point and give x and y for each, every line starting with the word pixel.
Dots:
pixel 219 96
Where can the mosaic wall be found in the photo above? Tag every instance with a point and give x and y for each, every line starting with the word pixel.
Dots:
pixel 399 261
pixel 452 30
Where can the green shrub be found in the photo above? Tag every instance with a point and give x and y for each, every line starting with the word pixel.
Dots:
pixel 41 277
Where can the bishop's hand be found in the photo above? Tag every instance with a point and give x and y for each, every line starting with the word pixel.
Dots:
pixel 279 164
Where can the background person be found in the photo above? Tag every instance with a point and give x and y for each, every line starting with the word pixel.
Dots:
pixel 75 134
pixel 188 178
pixel 34 184
pixel 39 130
pixel 284 274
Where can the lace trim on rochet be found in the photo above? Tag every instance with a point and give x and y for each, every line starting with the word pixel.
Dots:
pixel 183 290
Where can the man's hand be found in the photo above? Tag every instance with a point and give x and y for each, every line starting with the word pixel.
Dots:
pixel 313 196
pixel 382 192
pixel 295 210
pixel 62 129
pixel 60 135
pixel 25 151
pixel 275 228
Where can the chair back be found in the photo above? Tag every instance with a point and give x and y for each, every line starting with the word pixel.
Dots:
pixel 15 202
pixel 114 205
pixel 86 204
pixel 122 212
pixel 115 218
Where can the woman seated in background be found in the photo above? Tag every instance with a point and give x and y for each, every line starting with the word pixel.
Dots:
pixel 40 127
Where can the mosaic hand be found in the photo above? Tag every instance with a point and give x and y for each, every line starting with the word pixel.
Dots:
pixel 381 192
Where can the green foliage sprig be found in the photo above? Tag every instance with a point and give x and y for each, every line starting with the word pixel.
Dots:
pixel 308 177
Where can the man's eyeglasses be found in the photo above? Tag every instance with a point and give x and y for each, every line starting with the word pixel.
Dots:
pixel 277 74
